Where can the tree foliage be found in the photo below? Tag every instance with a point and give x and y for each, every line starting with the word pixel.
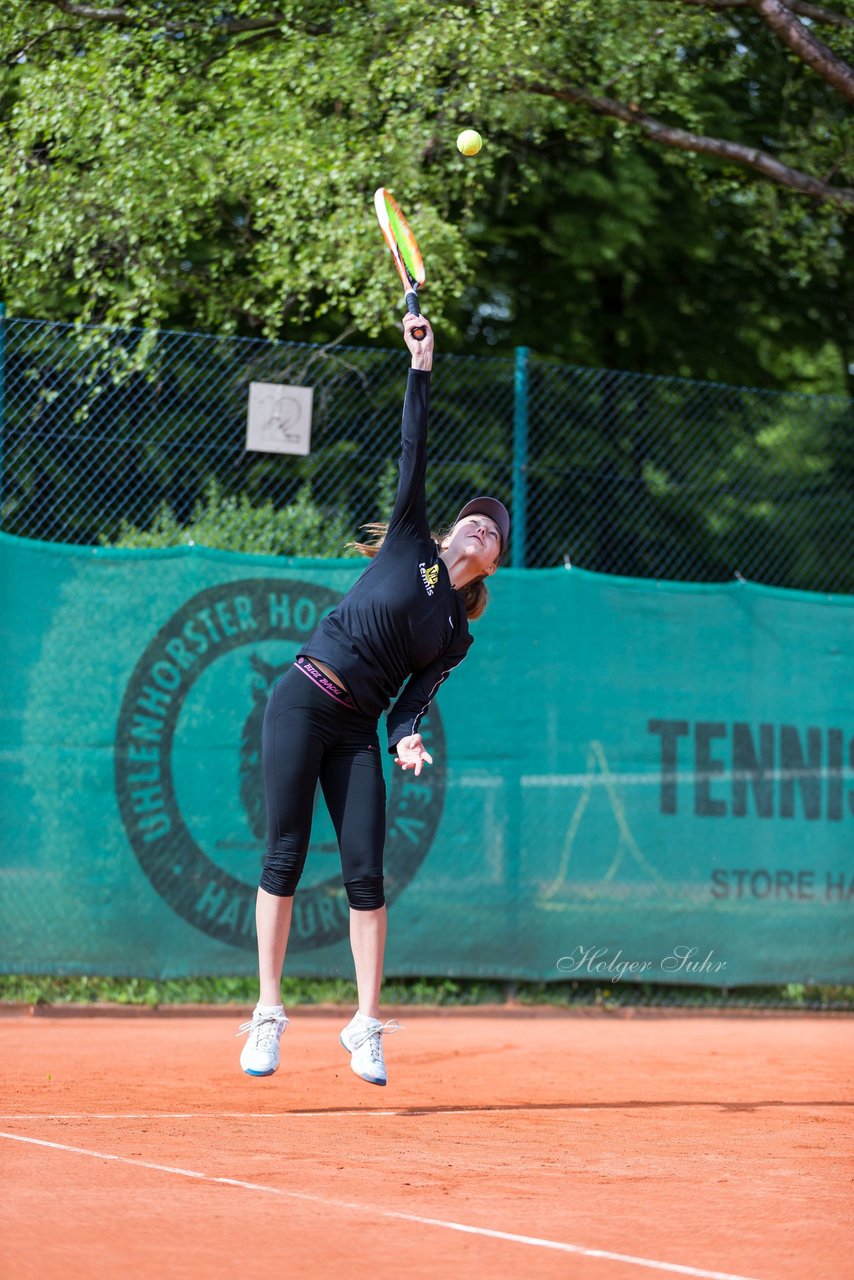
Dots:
pixel 171 163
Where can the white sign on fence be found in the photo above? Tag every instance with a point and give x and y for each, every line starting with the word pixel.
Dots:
pixel 279 419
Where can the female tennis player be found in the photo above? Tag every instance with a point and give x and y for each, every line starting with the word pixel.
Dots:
pixel 404 620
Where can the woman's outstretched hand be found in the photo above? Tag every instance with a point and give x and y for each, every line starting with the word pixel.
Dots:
pixel 422 352
pixel 411 752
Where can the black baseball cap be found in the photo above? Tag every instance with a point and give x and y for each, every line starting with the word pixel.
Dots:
pixel 494 509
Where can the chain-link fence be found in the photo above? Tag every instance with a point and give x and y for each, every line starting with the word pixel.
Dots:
pixel 617 472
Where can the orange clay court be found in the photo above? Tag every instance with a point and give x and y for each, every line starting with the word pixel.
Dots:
pixel 536 1144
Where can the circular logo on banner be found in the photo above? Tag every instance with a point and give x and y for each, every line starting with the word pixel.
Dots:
pixel 188 766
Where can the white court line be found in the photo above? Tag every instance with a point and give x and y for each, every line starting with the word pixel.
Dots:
pixel 380 1212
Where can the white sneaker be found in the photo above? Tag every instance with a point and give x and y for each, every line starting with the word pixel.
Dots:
pixel 260 1055
pixel 362 1038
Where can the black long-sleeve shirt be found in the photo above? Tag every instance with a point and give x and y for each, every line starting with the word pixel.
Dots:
pixel 402 618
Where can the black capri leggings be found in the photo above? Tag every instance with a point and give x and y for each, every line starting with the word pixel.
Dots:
pixel 309 736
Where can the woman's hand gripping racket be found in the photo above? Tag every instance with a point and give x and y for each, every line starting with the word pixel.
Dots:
pixel 404 250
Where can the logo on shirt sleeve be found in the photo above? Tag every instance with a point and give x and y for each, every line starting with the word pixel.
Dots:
pixel 429 576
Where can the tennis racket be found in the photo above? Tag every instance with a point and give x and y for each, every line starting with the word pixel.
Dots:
pixel 404 251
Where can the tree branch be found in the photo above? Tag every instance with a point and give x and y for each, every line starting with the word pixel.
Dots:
pixel 10 59
pixel 814 52
pixel 824 17
pixel 268 33
pixel 87 11
pixel 231 26
pixel 721 148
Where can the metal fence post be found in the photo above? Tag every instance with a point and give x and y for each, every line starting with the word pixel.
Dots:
pixel 2 398
pixel 520 458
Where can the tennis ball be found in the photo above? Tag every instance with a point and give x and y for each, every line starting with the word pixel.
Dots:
pixel 469 142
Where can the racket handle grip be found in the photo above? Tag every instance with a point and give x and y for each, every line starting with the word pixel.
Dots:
pixel 419 332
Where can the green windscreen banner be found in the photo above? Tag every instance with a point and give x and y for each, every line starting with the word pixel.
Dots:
pixel 633 781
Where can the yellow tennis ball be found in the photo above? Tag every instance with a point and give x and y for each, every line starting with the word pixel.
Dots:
pixel 469 142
